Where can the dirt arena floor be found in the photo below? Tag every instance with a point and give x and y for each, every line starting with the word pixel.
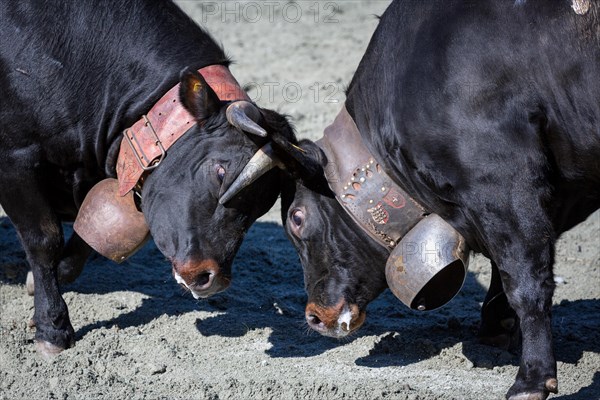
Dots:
pixel 139 336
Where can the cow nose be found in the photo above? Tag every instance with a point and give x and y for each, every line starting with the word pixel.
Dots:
pixel 202 278
pixel 208 283
pixel 336 321
pixel 323 319
pixel 315 322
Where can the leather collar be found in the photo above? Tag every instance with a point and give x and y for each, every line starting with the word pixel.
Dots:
pixel 145 143
pixel 375 202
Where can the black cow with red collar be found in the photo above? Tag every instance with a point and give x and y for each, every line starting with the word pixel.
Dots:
pixel 73 77
pixel 487 114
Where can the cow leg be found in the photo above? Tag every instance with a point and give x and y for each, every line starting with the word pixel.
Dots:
pixel 499 322
pixel 522 244
pixel 73 259
pixel 74 256
pixel 41 235
pixel 529 288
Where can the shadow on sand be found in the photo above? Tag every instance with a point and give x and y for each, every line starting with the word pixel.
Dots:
pixel 267 292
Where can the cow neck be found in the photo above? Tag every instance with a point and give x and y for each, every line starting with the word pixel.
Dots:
pixel 145 143
pixel 366 192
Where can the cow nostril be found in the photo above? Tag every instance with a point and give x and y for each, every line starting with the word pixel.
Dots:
pixel 204 279
pixel 313 320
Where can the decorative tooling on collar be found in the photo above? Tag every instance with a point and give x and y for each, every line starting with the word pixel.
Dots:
pixel 377 204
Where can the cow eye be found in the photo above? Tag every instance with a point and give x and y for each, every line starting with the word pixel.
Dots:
pixel 297 217
pixel 220 172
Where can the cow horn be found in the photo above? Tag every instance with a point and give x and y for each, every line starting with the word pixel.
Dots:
pixel 243 115
pixel 262 162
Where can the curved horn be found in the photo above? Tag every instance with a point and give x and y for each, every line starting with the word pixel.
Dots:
pixel 243 115
pixel 262 162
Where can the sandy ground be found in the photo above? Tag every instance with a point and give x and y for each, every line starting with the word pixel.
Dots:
pixel 140 337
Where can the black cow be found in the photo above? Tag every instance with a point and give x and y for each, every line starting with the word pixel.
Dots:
pixel 487 113
pixel 73 76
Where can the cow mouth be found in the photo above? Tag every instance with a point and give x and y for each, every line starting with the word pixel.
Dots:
pixel 336 321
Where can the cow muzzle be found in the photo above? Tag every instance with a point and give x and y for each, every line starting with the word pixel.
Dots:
pixel 203 278
pixel 111 224
pixel 336 321
pixel 429 265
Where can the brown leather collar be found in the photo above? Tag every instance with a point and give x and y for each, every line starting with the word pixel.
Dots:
pixel 145 143
pixel 377 204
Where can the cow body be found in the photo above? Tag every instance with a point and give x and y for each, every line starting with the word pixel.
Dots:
pixel 487 114
pixel 73 76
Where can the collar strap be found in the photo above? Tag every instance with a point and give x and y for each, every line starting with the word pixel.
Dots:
pixel 379 206
pixel 145 143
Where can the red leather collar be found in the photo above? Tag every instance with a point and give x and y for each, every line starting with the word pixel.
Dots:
pixel 145 143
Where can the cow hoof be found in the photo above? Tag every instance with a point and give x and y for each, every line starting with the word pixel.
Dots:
pixel 529 396
pixel 47 350
pixel 551 385
pixel 29 285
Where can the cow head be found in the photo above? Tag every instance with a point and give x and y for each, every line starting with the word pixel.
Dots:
pixel 344 269
pixel 180 198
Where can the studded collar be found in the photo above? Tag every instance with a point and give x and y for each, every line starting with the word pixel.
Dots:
pixel 376 203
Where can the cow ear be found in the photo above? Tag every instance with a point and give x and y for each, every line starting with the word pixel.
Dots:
pixel 305 161
pixel 197 96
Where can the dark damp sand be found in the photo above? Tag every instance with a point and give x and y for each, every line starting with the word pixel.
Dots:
pixel 140 337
